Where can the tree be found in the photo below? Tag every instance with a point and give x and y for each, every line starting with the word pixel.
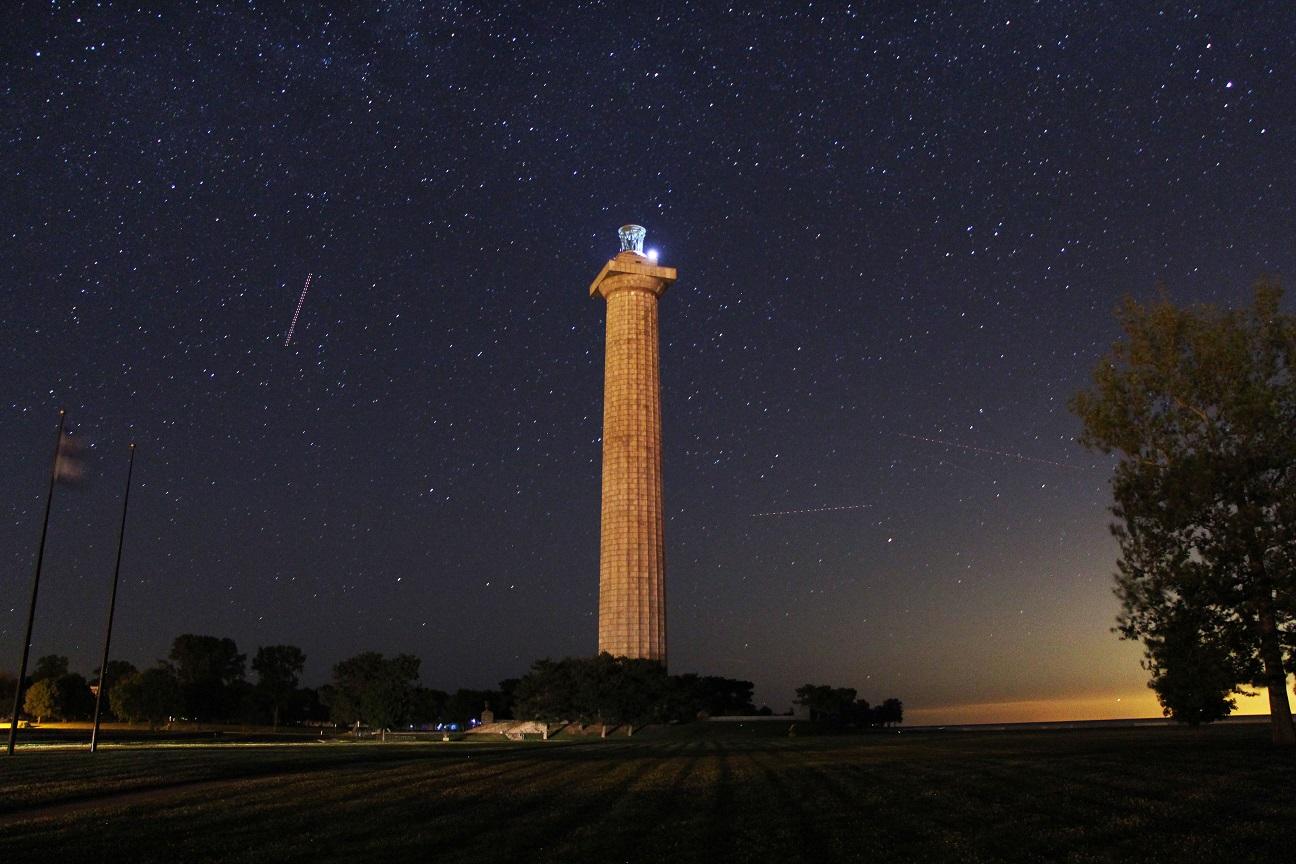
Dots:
pixel 7 685
pixel 427 706
pixel 890 712
pixel 1200 405
pixel 506 694
pixel 607 690
pixel 308 706
pixel 151 696
pixel 863 714
pixel 278 668
pixel 76 698
pixel 1193 677
pixel 42 700
pixel 66 697
pixel 827 704
pixel 372 689
pixel 117 670
pixel 594 697
pixel 633 692
pixel 50 666
pixel 714 696
pixel 616 691
pixel 547 692
pixel 207 669
pixel 464 706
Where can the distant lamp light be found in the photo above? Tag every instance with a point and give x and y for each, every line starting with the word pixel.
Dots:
pixel 652 255
pixel 632 237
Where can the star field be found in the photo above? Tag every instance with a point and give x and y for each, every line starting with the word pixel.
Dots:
pixel 897 232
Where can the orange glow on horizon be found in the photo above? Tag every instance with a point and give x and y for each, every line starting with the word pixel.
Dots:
pixel 1135 705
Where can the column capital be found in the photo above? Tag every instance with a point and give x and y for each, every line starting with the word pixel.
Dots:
pixel 643 274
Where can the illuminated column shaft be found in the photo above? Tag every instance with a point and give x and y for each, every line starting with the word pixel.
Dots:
pixel 632 572
pixel 632 567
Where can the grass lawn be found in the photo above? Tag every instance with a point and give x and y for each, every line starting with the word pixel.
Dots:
pixel 1151 794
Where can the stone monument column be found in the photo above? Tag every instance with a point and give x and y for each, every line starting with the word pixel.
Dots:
pixel 632 565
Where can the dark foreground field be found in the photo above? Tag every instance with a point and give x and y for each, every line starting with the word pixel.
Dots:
pixel 1090 795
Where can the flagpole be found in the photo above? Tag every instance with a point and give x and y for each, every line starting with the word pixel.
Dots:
pixel 112 604
pixel 31 610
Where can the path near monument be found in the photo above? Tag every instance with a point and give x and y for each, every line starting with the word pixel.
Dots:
pixel 694 794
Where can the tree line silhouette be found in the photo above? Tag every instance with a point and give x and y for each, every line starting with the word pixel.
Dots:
pixel 204 680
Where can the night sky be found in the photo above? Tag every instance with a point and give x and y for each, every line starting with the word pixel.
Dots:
pixel 895 233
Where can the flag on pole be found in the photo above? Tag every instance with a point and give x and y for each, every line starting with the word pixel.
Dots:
pixel 68 467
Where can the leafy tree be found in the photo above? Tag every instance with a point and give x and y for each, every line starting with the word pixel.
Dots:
pixel 207 668
pixel 372 689
pixel 42 700
pixel 77 698
pixel 862 714
pixel 606 690
pixel 585 676
pixel 117 670
pixel 306 705
pixel 1200 404
pixel 612 691
pixel 427 705
pixel 151 696
pixel 631 692
pixel 831 705
pixel 1193 677
pixel 547 692
pixel 889 713
pixel 464 705
pixel 50 666
pixel 66 697
pixel 7 685
pixel 244 703
pixel 714 696
pixel 837 706
pixel 506 694
pixel 278 668
pixel 619 691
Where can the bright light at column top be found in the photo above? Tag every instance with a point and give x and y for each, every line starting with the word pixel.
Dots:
pixel 632 237
pixel 652 255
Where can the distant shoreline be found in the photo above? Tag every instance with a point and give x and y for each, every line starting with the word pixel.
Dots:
pixel 1073 724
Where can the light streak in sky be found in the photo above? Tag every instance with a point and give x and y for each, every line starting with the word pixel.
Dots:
pixel 812 510
pixel 986 450
pixel 296 312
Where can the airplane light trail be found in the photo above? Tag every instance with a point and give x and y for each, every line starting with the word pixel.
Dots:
pixel 296 312
pixel 988 451
pixel 812 510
